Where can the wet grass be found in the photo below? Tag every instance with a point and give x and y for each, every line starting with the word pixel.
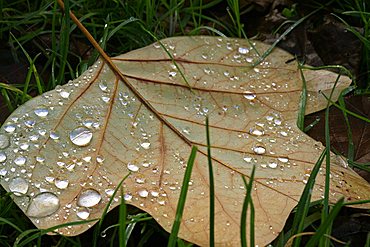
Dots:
pixel 39 35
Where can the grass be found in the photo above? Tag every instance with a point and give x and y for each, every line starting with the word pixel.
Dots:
pixel 39 35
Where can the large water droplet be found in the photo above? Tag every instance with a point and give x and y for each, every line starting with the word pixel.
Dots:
pixel 20 160
pixel 10 128
pixel 249 95
pixel 83 213
pixel 257 130
pixel 18 186
pixel 81 136
pixel 61 184
pixel 89 198
pixel 259 148
pixel 132 167
pixel 43 204
pixel 4 141
pixel 41 112
pixel 2 157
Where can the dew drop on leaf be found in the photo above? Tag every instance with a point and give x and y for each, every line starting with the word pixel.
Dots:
pixel 10 128
pixel 4 141
pixel 29 123
pixel 43 204
pixel 20 160
pixel 89 198
pixel 41 112
pixel 18 186
pixel 257 131
pixel 2 157
pixel 132 167
pixel 259 148
pixel 61 184
pixel 145 145
pixel 83 213
pixel 249 95
pixel 80 136
pixel 283 159
pixel 127 197
pixel 243 50
pixel 143 193
pixel 64 94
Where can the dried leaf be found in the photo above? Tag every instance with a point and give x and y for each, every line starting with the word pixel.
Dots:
pixel 63 153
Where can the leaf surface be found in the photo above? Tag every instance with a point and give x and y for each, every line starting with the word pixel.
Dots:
pixel 63 153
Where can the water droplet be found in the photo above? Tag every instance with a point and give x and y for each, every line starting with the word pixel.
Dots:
pixel 54 135
pixel 272 164
pixel 10 128
pixel 145 145
pixel 30 123
pixel 105 99
pixel 143 193
pixel 249 95
pixel 259 148
pixel 24 146
pixel 257 130
pixel 4 141
pixel 83 213
pixel 186 130
pixel 283 133
pixel 18 186
pixel 103 86
pixel 127 197
pixel 81 136
pixel 283 159
pixel 43 204
pixel 172 74
pixel 20 160
pixel 132 167
pixel 64 94
pixel 3 172
pixel 243 50
pixel 100 159
pixel 277 121
pixel 89 198
pixel 61 184
pixel 41 112
pixel 2 157
pixel 247 159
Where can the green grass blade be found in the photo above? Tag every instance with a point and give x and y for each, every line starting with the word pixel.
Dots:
pixel 351 146
pixel 325 225
pixel 243 218
pixel 304 202
pixel 122 221
pixel 211 190
pixel 302 101
pixel 182 198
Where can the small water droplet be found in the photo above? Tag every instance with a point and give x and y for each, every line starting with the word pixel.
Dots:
pixel 100 159
pixel 83 213
pixel 24 146
pixel 249 95
pixel 41 112
pixel 283 133
pixel 2 157
pixel 18 186
pixel 259 148
pixel 243 50
pixel 145 145
pixel 81 136
pixel 247 159
pixel 186 130
pixel 132 167
pixel 64 94
pixel 257 130
pixel 30 123
pixel 283 159
pixel 54 135
pixel 127 197
pixel 277 121
pixel 272 164
pixel 103 86
pixel 143 193
pixel 10 128
pixel 89 198
pixel 105 99
pixel 4 141
pixel 20 160
pixel 43 204
pixel 61 184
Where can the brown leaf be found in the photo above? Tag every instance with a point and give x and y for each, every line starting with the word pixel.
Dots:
pixel 70 147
